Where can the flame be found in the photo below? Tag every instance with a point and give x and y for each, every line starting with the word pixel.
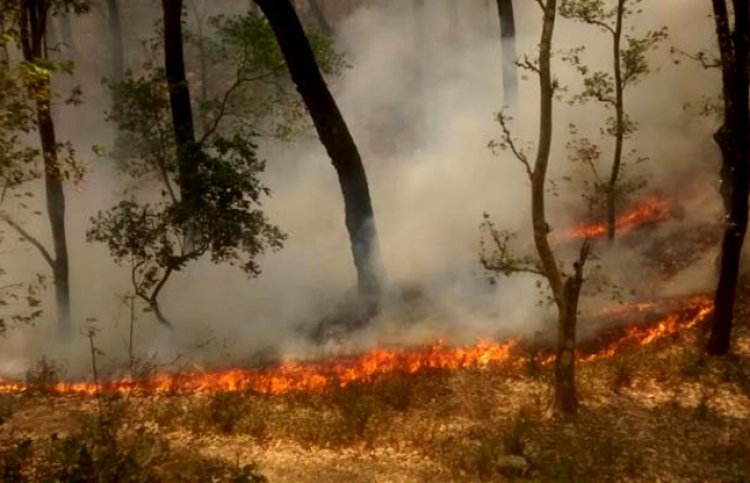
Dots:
pixel 650 210
pixel 317 376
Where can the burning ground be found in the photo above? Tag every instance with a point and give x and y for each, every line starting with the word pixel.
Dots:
pixel 654 409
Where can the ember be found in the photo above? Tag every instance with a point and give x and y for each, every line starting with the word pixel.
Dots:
pixel 316 376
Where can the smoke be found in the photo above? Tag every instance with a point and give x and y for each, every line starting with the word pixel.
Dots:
pixel 421 110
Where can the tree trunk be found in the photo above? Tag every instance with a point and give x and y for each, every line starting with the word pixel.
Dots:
pixel 338 142
pixel 33 20
pixel 115 31
pixel 566 290
pixel 619 127
pixel 565 400
pixel 179 101
pixel 508 45
pixel 734 144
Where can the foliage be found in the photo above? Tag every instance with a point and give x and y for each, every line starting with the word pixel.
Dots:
pixel 226 222
pixel 607 89
pixel 241 52
pixel 44 376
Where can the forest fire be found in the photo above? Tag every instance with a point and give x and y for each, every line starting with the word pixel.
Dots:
pixel 651 210
pixel 316 376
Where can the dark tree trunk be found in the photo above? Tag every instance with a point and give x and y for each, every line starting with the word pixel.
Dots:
pixel 338 142
pixel 734 144
pixel 179 101
pixel 320 17
pixel 33 45
pixel 565 400
pixel 508 45
pixel 115 31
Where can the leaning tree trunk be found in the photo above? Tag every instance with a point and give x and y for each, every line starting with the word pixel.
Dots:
pixel 338 142
pixel 734 144
pixel 115 32
pixel 33 20
pixel 508 45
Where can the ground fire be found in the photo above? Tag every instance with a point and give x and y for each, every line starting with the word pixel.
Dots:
pixel 315 376
pixel 651 210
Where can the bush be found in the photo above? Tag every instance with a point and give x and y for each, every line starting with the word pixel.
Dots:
pixel 44 376
pixel 225 409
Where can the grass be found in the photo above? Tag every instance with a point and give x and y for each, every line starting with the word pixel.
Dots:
pixel 664 412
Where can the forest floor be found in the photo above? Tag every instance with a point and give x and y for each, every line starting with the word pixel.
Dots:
pixel 662 413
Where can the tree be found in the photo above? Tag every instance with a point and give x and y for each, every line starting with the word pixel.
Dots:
pixel 115 31
pixel 19 300
pixel 564 286
pixel 188 152
pixel 629 66
pixel 226 222
pixel 31 19
pixel 508 44
pixel 734 144
pixel 338 142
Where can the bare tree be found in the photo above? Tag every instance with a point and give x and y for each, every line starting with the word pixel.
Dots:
pixel 734 144
pixel 338 142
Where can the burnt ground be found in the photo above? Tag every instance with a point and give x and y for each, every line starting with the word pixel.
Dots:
pixel 662 413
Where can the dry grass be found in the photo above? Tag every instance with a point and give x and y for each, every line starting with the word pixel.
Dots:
pixel 665 413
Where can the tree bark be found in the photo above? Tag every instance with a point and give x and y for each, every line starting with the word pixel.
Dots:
pixel 734 145
pixel 179 101
pixel 115 31
pixel 619 126
pixel 338 142
pixel 565 289
pixel 33 20
pixel 508 45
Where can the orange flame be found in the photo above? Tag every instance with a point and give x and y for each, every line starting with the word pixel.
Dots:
pixel 317 376
pixel 650 210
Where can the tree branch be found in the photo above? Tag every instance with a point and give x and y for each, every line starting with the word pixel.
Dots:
pixel 30 238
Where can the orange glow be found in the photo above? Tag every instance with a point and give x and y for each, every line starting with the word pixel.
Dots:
pixel 317 376
pixel 650 210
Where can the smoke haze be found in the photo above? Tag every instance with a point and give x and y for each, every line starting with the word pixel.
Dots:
pixel 421 112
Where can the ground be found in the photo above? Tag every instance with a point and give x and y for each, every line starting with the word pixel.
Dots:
pixel 662 413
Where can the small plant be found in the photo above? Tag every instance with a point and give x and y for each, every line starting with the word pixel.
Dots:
pixel 225 409
pixel 514 440
pixel 622 374
pixel 14 459
pixel 44 376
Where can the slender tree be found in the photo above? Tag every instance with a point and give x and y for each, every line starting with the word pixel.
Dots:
pixel 629 66
pixel 508 45
pixel 338 142
pixel 565 287
pixel 33 17
pixel 734 144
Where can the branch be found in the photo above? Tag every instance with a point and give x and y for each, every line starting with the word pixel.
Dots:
pixel 225 99
pixel 30 238
pixel 508 139
pixel 700 57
